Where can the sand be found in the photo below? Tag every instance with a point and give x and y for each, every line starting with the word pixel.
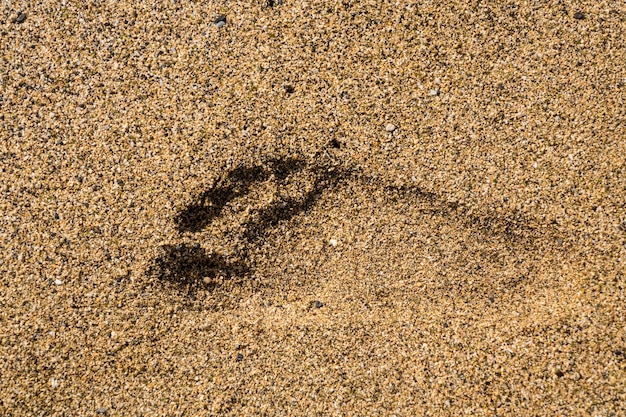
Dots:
pixel 312 208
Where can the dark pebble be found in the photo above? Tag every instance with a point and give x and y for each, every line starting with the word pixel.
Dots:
pixel 579 15
pixel 559 374
pixel 101 411
pixel 318 304
pixel 21 16
pixel 491 299
pixel 289 89
pixel 335 144
pixel 618 353
pixel 239 357
pixel 56 216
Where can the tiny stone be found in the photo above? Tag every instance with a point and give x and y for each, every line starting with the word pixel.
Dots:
pixel 101 411
pixel 318 304
pixel 334 143
pixel 207 280
pixel 220 21
pixel 289 89
pixel 21 17
pixel 239 357
pixel 579 16
pixel 390 127
pixel 54 383
pixel 58 282
pixel 433 92
pixel 333 242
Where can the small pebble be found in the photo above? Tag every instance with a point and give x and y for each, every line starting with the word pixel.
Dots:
pixel 54 383
pixel 58 282
pixel 239 357
pixel 579 15
pixel 21 17
pixel 220 22
pixel 333 242
pixel 433 92
pixel 101 411
pixel 318 304
pixel 390 127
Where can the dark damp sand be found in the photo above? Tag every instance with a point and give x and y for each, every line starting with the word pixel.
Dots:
pixel 219 221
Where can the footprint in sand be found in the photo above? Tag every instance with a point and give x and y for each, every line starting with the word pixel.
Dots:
pixel 246 205
pixel 247 202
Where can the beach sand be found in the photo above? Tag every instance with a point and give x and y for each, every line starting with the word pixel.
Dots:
pixel 313 208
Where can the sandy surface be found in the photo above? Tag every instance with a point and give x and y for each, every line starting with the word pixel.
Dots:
pixel 313 208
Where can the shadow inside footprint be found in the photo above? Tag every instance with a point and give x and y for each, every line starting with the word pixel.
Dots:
pixel 192 266
pixel 322 179
pixel 210 203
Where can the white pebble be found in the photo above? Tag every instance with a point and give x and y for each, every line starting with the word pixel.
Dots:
pixel 433 92
pixel 220 24
pixel 58 282
pixel 54 383
pixel 333 242
pixel 390 127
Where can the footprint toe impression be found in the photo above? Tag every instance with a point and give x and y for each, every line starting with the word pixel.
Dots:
pixel 210 203
pixel 296 186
